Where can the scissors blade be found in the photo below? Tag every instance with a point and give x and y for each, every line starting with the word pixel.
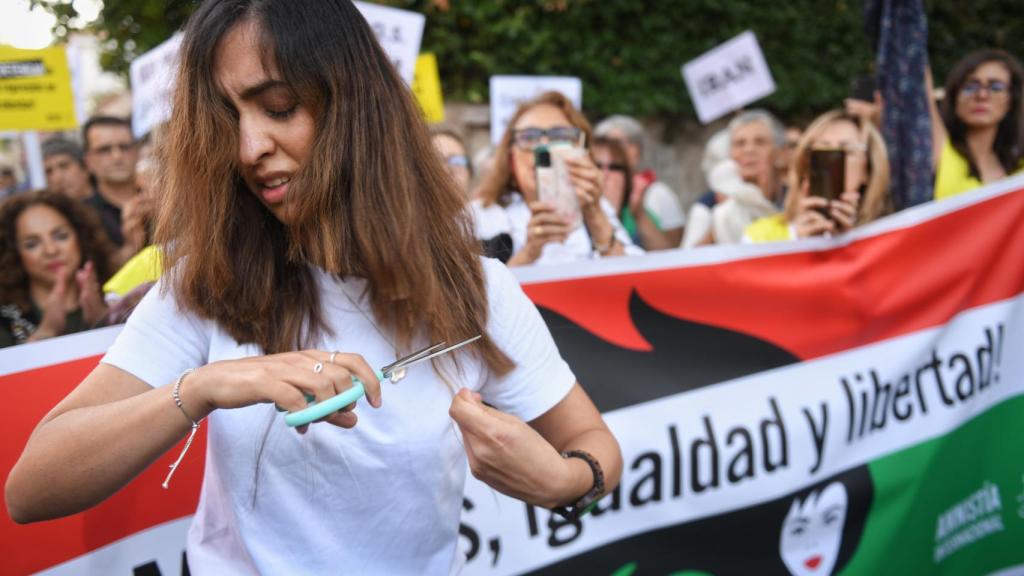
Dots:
pixel 412 357
pixel 406 364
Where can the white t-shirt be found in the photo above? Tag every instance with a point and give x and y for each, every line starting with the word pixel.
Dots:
pixel 513 219
pixel 382 498
pixel 663 205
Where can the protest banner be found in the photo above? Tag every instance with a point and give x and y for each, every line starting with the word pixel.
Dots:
pixel 728 77
pixel 35 90
pixel 399 32
pixel 426 86
pixel 152 78
pixel 832 405
pixel 508 92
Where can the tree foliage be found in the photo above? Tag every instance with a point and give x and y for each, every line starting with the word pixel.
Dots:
pixel 628 53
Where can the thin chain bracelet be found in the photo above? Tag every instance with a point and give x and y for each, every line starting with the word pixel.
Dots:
pixel 176 394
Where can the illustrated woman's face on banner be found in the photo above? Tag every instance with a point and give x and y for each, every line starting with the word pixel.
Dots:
pixel 813 532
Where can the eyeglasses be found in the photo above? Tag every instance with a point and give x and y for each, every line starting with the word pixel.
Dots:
pixel 849 148
pixel 108 149
pixel 530 138
pixel 994 88
pixel 457 161
pixel 611 166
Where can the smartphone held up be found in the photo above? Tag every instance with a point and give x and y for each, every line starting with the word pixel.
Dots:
pixel 827 176
pixel 554 184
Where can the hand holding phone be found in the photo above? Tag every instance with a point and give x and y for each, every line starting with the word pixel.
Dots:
pixel 554 184
pixel 827 175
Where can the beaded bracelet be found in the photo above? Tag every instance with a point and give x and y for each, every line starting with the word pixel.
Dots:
pixel 176 394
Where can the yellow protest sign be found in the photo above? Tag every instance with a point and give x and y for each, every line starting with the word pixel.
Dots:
pixel 35 90
pixel 426 85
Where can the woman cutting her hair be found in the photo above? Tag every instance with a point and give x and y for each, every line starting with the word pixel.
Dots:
pixel 311 235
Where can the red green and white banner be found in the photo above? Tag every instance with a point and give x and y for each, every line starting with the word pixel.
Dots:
pixel 846 405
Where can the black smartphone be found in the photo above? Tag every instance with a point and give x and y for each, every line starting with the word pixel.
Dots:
pixel 827 175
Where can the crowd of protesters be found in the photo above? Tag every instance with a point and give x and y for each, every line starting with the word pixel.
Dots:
pixel 79 254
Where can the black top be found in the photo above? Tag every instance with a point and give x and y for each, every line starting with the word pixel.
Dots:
pixel 16 326
pixel 110 216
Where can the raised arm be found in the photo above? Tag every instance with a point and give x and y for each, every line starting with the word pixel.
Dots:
pixel 939 134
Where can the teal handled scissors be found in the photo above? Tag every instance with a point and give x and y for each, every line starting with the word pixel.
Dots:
pixel 393 372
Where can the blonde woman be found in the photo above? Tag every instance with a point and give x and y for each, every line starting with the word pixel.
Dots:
pixel 865 195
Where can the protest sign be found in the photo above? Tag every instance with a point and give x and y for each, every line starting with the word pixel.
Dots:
pixel 426 86
pixel 507 92
pixel 728 77
pixel 152 78
pixel 834 405
pixel 35 90
pixel 399 33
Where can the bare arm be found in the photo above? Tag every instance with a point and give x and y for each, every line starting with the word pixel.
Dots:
pixel 939 134
pixel 114 425
pixel 654 238
pixel 575 424
pixel 109 429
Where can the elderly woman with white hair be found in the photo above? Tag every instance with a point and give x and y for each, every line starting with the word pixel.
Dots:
pixel 655 218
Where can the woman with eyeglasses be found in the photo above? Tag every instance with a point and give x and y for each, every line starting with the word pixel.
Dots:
pixel 507 202
pixel 53 256
pixel 979 136
pixel 453 151
pixel 865 195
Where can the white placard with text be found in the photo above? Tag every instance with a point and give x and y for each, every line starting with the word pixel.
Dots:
pixel 728 77
pixel 507 92
pixel 399 32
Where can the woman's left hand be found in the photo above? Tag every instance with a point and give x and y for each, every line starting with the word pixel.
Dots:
pixel 588 181
pixel 94 308
pixel 510 456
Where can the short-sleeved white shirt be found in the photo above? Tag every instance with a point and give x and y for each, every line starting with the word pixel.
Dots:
pixel 381 498
pixel 513 218
pixel 663 204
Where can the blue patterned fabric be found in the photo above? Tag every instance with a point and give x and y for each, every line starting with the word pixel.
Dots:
pixel 902 48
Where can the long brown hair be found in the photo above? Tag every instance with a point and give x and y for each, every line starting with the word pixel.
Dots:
pixel 500 179
pixel 92 242
pixel 875 201
pixel 1009 142
pixel 371 199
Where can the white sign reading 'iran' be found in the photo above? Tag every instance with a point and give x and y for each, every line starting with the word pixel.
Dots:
pixel 728 77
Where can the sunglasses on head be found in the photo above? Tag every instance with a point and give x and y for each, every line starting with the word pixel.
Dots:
pixel 530 138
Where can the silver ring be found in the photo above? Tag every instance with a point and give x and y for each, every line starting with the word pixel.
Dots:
pixel 333 354
pixel 318 367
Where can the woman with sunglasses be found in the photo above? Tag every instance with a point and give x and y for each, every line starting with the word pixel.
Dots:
pixel 508 202
pixel 979 136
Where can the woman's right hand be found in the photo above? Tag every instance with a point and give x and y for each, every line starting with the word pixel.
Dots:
pixel 810 220
pixel 54 309
pixel 545 226
pixel 281 379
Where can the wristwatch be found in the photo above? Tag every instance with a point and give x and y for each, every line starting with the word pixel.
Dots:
pixel 585 503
